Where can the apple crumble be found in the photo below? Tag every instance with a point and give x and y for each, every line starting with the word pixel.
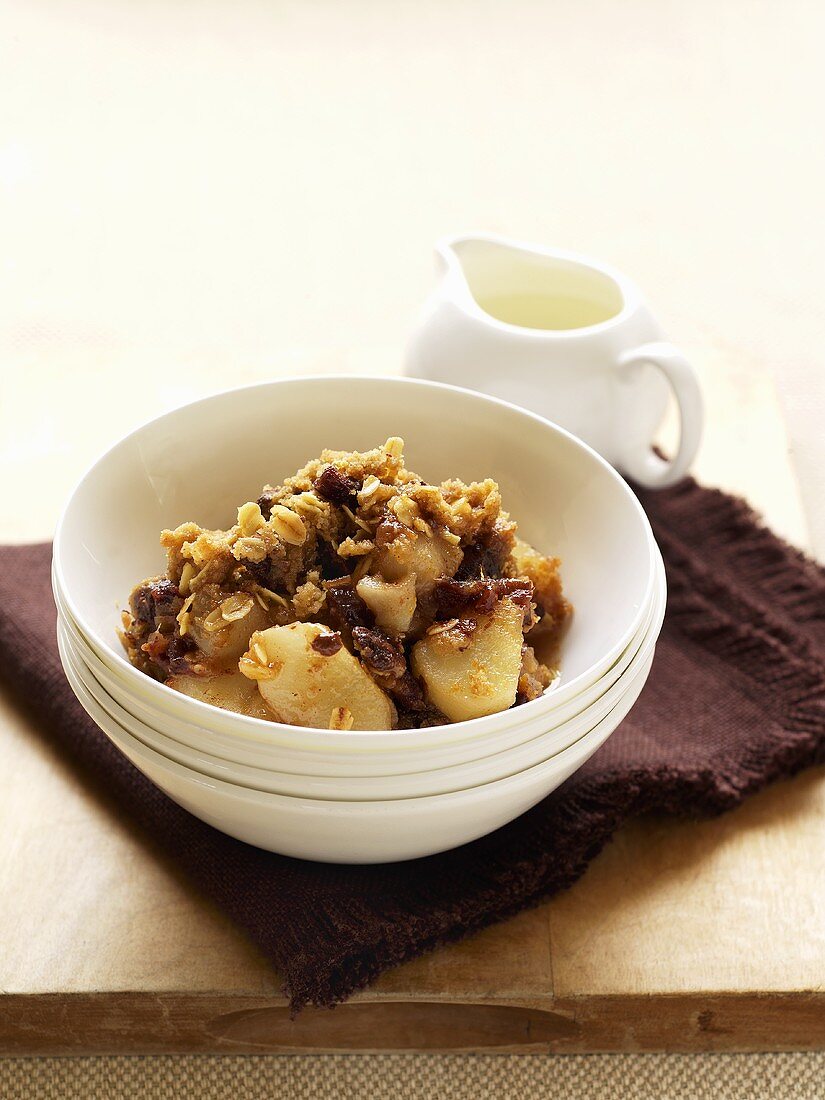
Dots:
pixel 353 596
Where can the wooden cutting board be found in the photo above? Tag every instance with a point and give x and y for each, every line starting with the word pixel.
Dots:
pixel 681 936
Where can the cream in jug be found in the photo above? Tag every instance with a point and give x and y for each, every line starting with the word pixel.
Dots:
pixel 564 336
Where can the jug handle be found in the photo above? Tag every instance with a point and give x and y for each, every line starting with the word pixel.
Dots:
pixel 642 464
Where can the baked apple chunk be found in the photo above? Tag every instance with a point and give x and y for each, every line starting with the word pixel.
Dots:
pixel 471 667
pixel 307 678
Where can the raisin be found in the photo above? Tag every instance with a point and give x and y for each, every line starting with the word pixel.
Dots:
pixel 332 567
pixel 408 694
pixel 333 486
pixel 142 605
pixel 261 571
pixel 266 500
pixel 327 644
pixel 154 598
pixel 387 664
pixel 345 606
pixel 480 561
pixel 418 716
pixel 456 599
pixel 486 557
pixel 176 652
pixel 378 652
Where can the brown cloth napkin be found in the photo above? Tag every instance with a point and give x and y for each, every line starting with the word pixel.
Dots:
pixel 735 700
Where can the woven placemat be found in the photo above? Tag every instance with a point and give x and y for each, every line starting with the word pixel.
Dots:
pixel 419 1077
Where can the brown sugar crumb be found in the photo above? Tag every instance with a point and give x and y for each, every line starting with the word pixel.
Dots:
pixel 534 677
pixel 356 595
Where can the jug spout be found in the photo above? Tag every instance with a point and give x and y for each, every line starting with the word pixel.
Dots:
pixel 466 262
pixel 476 270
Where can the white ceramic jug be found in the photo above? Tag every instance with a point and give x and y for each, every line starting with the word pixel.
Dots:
pixel 564 336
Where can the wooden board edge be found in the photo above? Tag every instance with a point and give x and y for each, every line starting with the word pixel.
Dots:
pixel 147 1023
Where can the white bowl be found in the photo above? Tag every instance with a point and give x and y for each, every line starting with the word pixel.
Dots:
pixel 160 728
pixel 201 461
pixel 353 788
pixel 350 832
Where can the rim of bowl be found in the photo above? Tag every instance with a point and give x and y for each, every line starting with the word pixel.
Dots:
pixel 315 805
pixel 641 671
pixel 468 728
pixel 640 644
pixel 617 691
pixel 646 641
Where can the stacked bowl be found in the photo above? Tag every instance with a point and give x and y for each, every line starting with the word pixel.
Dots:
pixel 350 796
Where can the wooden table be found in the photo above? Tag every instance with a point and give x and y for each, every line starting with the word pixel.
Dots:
pixel 681 936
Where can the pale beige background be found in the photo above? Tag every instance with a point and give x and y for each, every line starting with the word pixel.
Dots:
pixel 196 194
pixel 200 194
